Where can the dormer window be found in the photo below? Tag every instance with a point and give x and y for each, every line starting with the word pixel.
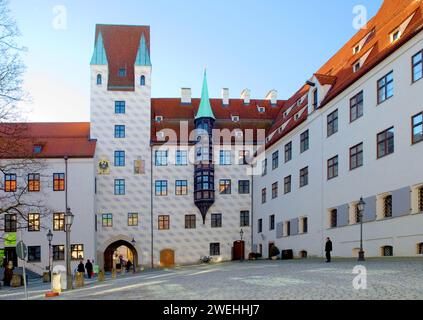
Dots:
pixel 261 109
pixel 356 49
pixel 297 116
pixel 357 66
pixel 122 72
pixel 160 135
pixel 37 149
pixel 315 99
pixel 395 35
pixel 299 102
pixel 142 81
pixel 238 134
pixel 159 119
pixel 99 79
pixel 235 118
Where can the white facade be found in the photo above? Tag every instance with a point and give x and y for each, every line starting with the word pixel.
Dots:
pixel 398 174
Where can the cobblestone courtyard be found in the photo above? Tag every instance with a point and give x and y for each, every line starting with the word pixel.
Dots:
pixel 285 280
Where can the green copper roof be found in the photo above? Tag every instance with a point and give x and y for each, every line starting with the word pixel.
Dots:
pixel 205 110
pixel 99 56
pixel 143 58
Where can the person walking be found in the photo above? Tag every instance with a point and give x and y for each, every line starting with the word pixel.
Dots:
pixel 81 267
pixel 328 249
pixel 89 268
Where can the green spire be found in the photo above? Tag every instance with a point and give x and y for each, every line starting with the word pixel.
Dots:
pixel 205 110
pixel 143 58
pixel 99 56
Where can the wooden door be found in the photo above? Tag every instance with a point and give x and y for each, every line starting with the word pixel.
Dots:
pixel 167 258
pixel 239 250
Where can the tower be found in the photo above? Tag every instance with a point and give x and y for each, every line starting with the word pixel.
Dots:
pixel 204 191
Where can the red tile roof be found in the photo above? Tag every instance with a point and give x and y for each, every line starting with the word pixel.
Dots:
pixel 121 44
pixel 56 139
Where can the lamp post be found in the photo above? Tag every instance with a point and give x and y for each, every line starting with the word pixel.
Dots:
pixel 360 207
pixel 49 239
pixel 241 233
pixel 133 254
pixel 68 224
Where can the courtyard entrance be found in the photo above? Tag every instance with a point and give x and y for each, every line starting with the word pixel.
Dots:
pixel 118 254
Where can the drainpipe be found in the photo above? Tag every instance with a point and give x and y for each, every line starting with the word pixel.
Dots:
pixel 252 208
pixel 151 206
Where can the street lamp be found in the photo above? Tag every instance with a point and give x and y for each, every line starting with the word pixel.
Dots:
pixel 133 254
pixel 68 224
pixel 241 233
pixel 49 239
pixel 360 207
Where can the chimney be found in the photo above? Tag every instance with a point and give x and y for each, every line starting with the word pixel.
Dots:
pixel 225 96
pixel 246 95
pixel 272 96
pixel 186 95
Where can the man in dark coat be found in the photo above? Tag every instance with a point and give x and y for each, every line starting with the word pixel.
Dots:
pixel 81 268
pixel 89 268
pixel 328 249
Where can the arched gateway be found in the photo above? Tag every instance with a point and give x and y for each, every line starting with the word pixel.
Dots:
pixel 121 248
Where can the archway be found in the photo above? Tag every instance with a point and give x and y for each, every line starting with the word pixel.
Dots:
pixel 120 248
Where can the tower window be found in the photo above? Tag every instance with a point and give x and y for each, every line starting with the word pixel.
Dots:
pixel 99 79
pixel 120 107
pixel 122 72
pixel 142 81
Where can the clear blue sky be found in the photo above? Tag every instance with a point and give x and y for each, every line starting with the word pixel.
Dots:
pixel 261 45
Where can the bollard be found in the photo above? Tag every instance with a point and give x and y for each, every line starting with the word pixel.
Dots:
pixel 16 281
pixel 46 277
pixel 101 276
pixel 79 280
pixel 56 285
pixel 113 273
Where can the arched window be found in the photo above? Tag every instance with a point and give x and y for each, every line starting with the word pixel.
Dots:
pixel 387 251
pixel 99 79
pixel 142 80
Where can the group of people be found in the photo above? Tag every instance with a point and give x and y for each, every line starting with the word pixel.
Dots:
pixel 88 268
pixel 121 263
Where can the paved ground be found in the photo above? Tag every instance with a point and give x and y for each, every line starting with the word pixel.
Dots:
pixel 306 279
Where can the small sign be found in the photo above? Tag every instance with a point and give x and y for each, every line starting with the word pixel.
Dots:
pixel 21 250
pixel 139 166
pixel 104 166
pixel 10 239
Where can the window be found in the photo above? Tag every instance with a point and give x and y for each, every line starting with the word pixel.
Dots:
pixel 99 79
pixel 215 249
pixel 59 253
pixel 333 168
pixel 225 158
pixel 120 107
pixel 142 81
pixel 10 184
pixel 190 221
pixel 164 222
pixel 263 195
pixel 304 225
pixel 216 220
pixel 356 107
pixel 10 223
pixel 387 206
pixel 119 131
pixel 385 143
pixel 181 157
pixel 58 222
pixel 34 254
pixel 275 190
pixel 315 99
pixel 357 214
pixel 288 228
pixel 107 220
pixel 33 222
pixel 356 66
pixel 356 156
pixel 303 177
pixel 235 118
pixel 119 158
pixel 421 199
pixel 417 128
pixel 333 218
pixel 181 187
pixel 275 160
pixel 272 222
pixel 260 225
pixel 245 218
pixel 420 248
pixel 288 152
pixel 58 182
pixel 161 188
pixel 395 35
pixel 243 157
pixel 417 62
pixel 264 167
pixel 77 251
pixel 356 49
pixel 287 185
pixel 243 186
pixel 119 187
pixel 34 182
pixel 122 72
pixel 132 219
pixel 332 126
pixel 387 251
pixel 385 87
pixel 304 141
pixel 37 149
pixel 225 186
pixel 203 154
pixel 161 158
